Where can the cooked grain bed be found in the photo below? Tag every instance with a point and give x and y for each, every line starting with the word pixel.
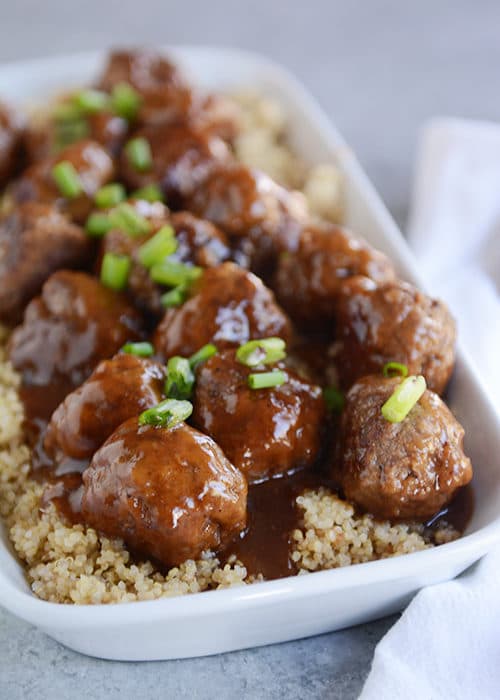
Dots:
pixel 74 564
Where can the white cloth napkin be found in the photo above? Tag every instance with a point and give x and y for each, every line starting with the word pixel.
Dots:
pixel 446 645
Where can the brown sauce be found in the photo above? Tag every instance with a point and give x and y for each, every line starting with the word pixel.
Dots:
pixel 457 513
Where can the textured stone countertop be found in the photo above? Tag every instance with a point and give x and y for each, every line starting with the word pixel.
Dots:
pixel 380 70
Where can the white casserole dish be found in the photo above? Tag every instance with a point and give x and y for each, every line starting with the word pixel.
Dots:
pixel 275 611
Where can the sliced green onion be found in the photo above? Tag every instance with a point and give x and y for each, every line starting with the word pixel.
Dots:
pixel 265 351
pixel 91 101
pixel 174 274
pixel 202 355
pixel 266 380
pixel 180 378
pixel 115 270
pixel 110 195
pixel 66 111
pixel 150 193
pixel 393 369
pixel 160 246
pixel 98 224
pixel 334 399
pixel 167 413
pixel 126 218
pixel 139 154
pixel 403 398
pixel 125 101
pixel 67 179
pixel 175 297
pixel 67 132
pixel 139 349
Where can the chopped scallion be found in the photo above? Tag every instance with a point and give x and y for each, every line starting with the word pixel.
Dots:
pixel 143 349
pixel 334 399
pixel 180 378
pixel 67 179
pixel 158 247
pixel 126 218
pixel 150 193
pixel 67 132
pixel 139 154
pixel 174 274
pixel 167 413
pixel 98 224
pixel 266 380
pixel 393 369
pixel 110 195
pixel 115 270
pixel 403 398
pixel 125 101
pixel 202 355
pixel 175 297
pixel 91 101
pixel 265 351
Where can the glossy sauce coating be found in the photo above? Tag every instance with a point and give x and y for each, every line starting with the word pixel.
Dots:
pixel 35 241
pixel 168 492
pixel 408 470
pixel 308 279
pixel 116 390
pixel 75 323
pixel 228 306
pixel 263 432
pixel 392 323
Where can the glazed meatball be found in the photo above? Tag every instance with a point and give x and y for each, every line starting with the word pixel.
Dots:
pixel 10 139
pixel 93 166
pixel 35 241
pixel 116 390
pixel 393 322
pixel 308 279
pixel 407 470
pixel 170 493
pixel 75 323
pixel 182 156
pixel 262 217
pixel 199 243
pixel 164 92
pixel 263 432
pixel 228 306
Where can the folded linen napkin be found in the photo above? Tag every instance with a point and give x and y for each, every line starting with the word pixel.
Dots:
pixel 447 643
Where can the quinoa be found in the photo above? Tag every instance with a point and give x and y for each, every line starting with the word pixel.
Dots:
pixel 75 564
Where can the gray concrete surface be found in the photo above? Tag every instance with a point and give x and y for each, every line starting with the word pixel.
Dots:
pixel 380 69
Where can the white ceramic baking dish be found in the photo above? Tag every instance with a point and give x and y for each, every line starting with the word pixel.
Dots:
pixel 275 611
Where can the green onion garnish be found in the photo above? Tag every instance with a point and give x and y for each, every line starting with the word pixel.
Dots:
pixel 150 193
pixel 266 380
pixel 334 399
pixel 202 355
pixel 110 195
pixel 139 154
pixel 394 369
pixel 98 224
pixel 160 246
pixel 126 218
pixel 67 179
pixel 139 349
pixel 403 398
pixel 167 413
pixel 174 274
pixel 115 270
pixel 66 111
pixel 175 297
pixel 265 351
pixel 67 132
pixel 125 101
pixel 91 101
pixel 180 378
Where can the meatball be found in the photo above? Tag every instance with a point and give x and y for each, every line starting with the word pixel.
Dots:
pixel 10 139
pixel 393 322
pixel 199 241
pixel 170 493
pixel 35 241
pixel 93 166
pixel 116 390
pixel 263 432
pixel 228 306
pixel 164 92
pixel 262 217
pixel 75 323
pixel 407 470
pixel 308 279
pixel 182 156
